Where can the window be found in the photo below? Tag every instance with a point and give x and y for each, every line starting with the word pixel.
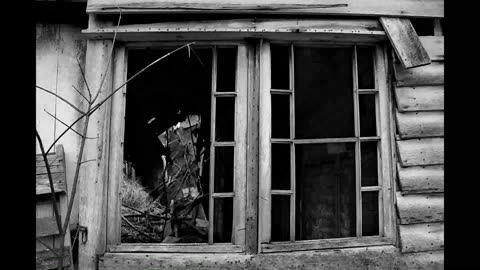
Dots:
pixel 321 145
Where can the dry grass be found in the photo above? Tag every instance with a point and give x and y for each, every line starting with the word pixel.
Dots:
pixel 134 195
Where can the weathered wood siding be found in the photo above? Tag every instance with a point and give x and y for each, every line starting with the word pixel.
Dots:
pixel 58 46
pixel 419 120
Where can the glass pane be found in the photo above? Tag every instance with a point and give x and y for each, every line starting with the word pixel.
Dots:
pixel 225 119
pixel 281 166
pixel 280 218
pixel 323 93
pixel 367 115
pixel 366 76
pixel 280 67
pixel 370 213
pixel 223 220
pixel 280 116
pixel 369 164
pixel 223 169
pixel 325 191
pixel 226 67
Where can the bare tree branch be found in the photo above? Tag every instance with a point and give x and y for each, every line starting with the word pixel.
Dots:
pixel 49 248
pixel 80 93
pixel 87 161
pixel 54 117
pixel 85 80
pixel 64 100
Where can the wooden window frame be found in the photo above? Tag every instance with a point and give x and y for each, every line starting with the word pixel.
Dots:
pixel 384 154
pixel 113 219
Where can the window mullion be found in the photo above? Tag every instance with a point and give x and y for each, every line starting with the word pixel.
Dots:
pixel 292 147
pixel 212 146
pixel 358 167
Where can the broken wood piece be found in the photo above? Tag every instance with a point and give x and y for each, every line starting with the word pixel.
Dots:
pixel 405 41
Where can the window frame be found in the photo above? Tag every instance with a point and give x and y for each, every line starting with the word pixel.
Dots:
pixel 115 167
pixel 384 154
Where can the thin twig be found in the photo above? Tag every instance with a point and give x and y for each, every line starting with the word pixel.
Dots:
pixel 54 117
pixel 80 93
pixel 61 98
pixel 49 248
pixel 85 161
pixel 138 230
pixel 85 80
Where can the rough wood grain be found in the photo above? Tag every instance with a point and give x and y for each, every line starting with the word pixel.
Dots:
pixel 46 226
pixel 174 248
pixel 434 45
pixel 54 168
pixel 421 98
pixel 432 74
pixel 421 237
pixel 421 179
pixel 405 41
pixel 420 208
pixel 404 8
pixel 323 244
pixel 426 151
pixel 46 260
pixel 420 124
pixel 43 185
pixel 381 257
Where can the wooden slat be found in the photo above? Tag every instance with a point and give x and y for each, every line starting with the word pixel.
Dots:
pixel 421 179
pixel 54 168
pixel 426 151
pixel 46 260
pixel 434 45
pixel 174 248
pixel 420 124
pixel 52 160
pixel 421 237
pixel 46 226
pixel 424 260
pixel 405 8
pixel 43 185
pixel 324 244
pixel 405 41
pixel 419 208
pixel 421 98
pixel 432 74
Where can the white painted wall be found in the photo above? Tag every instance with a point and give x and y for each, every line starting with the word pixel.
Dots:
pixel 58 46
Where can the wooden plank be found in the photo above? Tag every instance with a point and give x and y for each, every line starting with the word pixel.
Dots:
pixel 420 124
pixel 116 148
pixel 432 74
pixel 326 243
pixel 52 160
pixel 174 248
pixel 265 166
pixel 426 151
pixel 437 27
pixel 44 210
pixel 421 98
pixel 405 41
pixel 46 260
pixel 421 237
pixel 421 179
pixel 54 168
pixel 43 184
pixel 404 8
pixel 420 208
pixel 46 226
pixel 240 155
pixel 424 260
pixel 251 214
pixel 434 45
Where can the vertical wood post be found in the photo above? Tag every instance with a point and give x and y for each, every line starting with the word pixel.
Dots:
pixel 94 175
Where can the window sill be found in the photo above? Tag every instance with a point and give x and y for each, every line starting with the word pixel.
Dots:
pixel 326 244
pixel 174 248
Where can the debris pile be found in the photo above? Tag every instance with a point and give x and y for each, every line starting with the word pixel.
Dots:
pixel 173 211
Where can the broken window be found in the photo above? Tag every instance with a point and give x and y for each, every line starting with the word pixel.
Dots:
pixel 179 147
pixel 325 143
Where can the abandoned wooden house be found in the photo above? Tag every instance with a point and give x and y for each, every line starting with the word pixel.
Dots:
pixel 242 134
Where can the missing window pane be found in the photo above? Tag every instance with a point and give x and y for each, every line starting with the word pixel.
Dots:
pixel 223 220
pixel 325 191
pixel 280 218
pixel 366 76
pixel 323 93
pixel 370 221
pixel 281 166
pixel 280 116
pixel 223 169
pixel 226 68
pixel 368 125
pixel 280 67
pixel 369 164
pixel 225 119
